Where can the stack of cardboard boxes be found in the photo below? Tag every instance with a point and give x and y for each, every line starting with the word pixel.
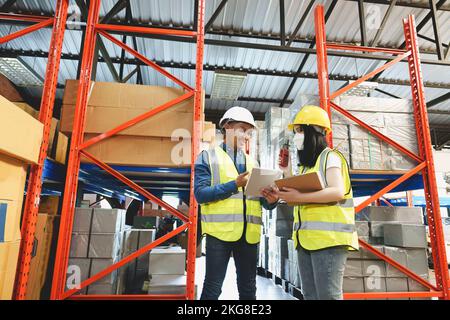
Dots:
pixel 96 244
pixel 133 275
pixel 293 274
pixel 14 160
pixel 166 271
pixel 164 139
pixel 278 233
pixel 399 233
pixel 273 136
pixel 392 117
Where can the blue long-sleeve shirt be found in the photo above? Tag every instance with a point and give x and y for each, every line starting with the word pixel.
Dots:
pixel 203 190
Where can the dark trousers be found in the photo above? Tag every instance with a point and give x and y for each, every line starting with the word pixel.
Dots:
pixel 218 254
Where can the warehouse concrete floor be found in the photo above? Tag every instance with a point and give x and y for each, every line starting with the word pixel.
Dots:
pixel 265 288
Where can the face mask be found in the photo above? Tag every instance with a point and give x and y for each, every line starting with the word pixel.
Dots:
pixel 299 139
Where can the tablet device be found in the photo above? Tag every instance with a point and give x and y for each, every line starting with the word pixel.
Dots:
pixel 260 178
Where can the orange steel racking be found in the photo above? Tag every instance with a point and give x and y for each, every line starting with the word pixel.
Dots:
pixel 31 205
pixel 78 149
pixel 425 158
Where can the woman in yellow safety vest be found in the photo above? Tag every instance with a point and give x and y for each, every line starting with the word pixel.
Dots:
pixel 324 221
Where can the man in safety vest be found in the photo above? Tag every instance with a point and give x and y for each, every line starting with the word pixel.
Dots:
pixel 230 220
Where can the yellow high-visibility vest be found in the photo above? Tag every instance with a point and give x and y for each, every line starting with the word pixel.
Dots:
pixel 324 225
pixel 224 219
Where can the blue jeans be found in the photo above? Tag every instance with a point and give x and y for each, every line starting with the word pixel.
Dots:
pixel 218 254
pixel 322 272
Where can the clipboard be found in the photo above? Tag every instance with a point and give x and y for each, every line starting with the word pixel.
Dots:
pixel 308 182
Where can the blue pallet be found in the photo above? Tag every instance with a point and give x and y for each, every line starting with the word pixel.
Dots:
pixel 418 201
pixel 157 180
pixel 363 186
pixel 176 181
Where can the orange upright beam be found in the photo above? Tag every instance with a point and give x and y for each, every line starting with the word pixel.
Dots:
pixel 434 219
pixel 31 204
pixel 73 164
pixel 197 133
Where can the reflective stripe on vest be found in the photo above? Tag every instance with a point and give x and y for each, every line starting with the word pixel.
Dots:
pixel 215 167
pixel 230 218
pixel 327 226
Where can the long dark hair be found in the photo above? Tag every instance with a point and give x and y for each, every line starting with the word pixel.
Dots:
pixel 315 143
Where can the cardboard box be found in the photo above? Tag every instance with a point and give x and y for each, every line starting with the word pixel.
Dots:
pixel 81 269
pixel 377 229
pixel 100 245
pixel 106 245
pixel 405 235
pixel 39 263
pixel 8 90
pixel 417 261
pixel 49 205
pixel 167 284
pixel 102 288
pixel 9 253
pixel 353 284
pixel 374 284
pixel 26 107
pixel 400 256
pixel 62 146
pixel 97 220
pixel 148 212
pixel 162 124
pixel 12 187
pixel 142 151
pixel 374 268
pixel 167 261
pixel 135 239
pixel 353 268
pixel 396 284
pixel 111 104
pixel 108 220
pixel 19 127
pixel 391 214
pixel 362 228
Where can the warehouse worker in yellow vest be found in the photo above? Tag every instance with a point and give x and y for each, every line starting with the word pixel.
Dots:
pixel 230 220
pixel 324 222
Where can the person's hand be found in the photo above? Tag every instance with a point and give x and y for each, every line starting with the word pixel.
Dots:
pixel 242 179
pixel 289 194
pixel 270 194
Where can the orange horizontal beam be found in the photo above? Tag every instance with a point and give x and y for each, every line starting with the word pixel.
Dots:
pixel 383 295
pixel 22 17
pixel 369 75
pixel 130 297
pixel 147 30
pixel 338 46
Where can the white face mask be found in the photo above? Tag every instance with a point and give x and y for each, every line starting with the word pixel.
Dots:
pixel 299 139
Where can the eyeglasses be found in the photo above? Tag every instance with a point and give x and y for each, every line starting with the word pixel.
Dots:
pixel 298 129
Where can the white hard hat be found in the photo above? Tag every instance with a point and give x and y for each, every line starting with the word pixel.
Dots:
pixel 238 114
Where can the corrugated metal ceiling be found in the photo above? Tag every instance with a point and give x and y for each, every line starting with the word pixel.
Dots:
pixel 256 16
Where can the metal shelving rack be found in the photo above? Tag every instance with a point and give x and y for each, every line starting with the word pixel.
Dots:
pixel 31 205
pixel 424 159
pixel 78 146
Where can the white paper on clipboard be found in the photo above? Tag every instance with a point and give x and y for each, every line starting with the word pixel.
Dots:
pixel 261 178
